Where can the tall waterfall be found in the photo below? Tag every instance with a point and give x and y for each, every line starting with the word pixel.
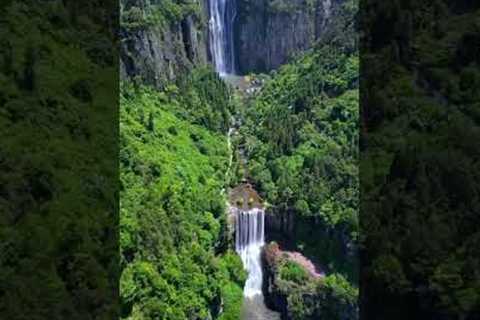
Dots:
pixel 249 239
pixel 222 17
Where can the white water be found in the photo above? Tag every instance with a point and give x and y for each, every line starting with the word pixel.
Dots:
pixel 249 240
pixel 222 17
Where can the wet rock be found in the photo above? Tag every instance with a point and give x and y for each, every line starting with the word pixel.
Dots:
pixel 275 299
pixel 280 222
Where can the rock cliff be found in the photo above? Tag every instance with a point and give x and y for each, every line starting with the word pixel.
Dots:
pixel 161 40
pixel 296 293
pixel 268 32
pixel 332 244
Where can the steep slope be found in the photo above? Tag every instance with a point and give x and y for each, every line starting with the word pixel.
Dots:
pixel 301 140
pixel 175 114
pixel 174 156
pixel 173 257
pixel 162 39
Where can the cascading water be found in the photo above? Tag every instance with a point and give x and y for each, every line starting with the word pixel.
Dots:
pixel 249 240
pixel 248 244
pixel 222 17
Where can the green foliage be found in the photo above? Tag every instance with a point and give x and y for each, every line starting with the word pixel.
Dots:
pixel 292 271
pixel 234 277
pixel 58 176
pixel 172 209
pixel 340 288
pixel 300 135
pixel 205 99
pixel 311 298
pixel 301 138
pixel 156 13
pixel 308 143
pixel 233 298
pixel 330 298
pixel 420 133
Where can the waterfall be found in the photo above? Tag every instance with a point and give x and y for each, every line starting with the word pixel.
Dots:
pixel 222 17
pixel 249 239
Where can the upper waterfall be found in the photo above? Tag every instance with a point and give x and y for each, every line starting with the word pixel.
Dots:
pixel 222 49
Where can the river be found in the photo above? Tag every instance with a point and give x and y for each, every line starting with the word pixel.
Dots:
pixel 249 217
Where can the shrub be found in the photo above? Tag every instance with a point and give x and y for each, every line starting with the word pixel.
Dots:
pixel 292 271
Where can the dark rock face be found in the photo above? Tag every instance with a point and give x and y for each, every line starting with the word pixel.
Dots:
pixel 287 227
pixel 309 300
pixel 266 34
pixel 269 32
pixel 280 222
pixel 156 54
pixel 275 299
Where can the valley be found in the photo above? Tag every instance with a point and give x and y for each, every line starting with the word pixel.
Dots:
pixel 251 177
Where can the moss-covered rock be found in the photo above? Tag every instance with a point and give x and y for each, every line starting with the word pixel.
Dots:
pixel 298 294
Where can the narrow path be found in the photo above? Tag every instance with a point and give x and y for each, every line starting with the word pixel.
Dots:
pixel 230 160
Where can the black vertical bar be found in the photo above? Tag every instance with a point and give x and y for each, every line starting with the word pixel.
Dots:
pixel 58 160
pixel 419 159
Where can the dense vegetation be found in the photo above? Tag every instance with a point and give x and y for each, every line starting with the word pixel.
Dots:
pixel 304 150
pixel 173 159
pixel 308 297
pixel 58 168
pixel 300 135
pixel 139 14
pixel 419 166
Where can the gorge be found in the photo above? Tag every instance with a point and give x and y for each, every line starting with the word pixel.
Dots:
pixel 247 166
pixel 196 129
pixel 249 221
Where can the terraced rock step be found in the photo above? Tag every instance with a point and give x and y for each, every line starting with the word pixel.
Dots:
pixel 244 197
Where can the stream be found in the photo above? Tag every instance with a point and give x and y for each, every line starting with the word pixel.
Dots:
pixel 249 215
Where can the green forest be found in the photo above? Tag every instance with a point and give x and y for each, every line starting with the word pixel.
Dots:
pixel 300 136
pixel 173 158
pixel 353 133
pixel 419 162
pixel 176 260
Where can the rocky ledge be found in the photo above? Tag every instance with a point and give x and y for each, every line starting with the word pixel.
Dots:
pixel 298 289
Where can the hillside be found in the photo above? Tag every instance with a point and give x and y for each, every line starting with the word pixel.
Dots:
pixel 295 140
pixel 300 136
pixel 175 263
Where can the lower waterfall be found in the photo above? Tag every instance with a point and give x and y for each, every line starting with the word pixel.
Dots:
pixel 249 241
